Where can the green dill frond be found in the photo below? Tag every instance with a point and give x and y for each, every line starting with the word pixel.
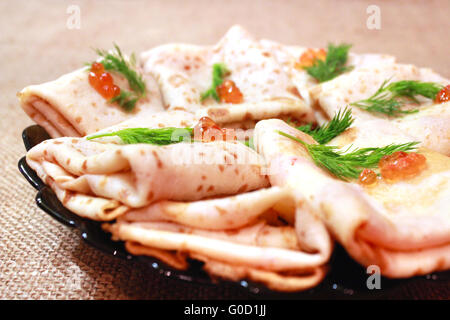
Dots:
pixel 334 63
pixel 116 62
pixel 348 165
pixel 390 98
pixel 159 136
pixel 325 133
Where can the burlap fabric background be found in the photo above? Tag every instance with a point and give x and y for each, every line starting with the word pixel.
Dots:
pixel 42 259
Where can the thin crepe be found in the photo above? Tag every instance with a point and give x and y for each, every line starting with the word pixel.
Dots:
pixel 289 56
pixel 95 177
pixel 69 106
pixel 402 227
pixel 431 124
pixel 184 72
pixel 259 251
pixel 268 235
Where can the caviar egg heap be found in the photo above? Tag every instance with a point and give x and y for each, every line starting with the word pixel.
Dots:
pixel 223 90
pixel 443 95
pixel 309 57
pixel 102 81
pixel 229 92
pixel 206 130
pixel 401 165
pixel 394 167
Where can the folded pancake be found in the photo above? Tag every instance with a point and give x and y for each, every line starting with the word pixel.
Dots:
pixel 403 227
pixel 70 106
pixel 260 251
pixel 430 125
pixel 289 56
pixel 93 178
pixel 268 236
pixel 184 72
pixel 222 213
pixel 274 280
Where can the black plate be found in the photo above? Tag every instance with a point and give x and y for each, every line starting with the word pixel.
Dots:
pixel 346 279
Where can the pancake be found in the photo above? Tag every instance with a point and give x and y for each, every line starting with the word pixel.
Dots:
pixel 430 125
pixel 184 72
pixel 93 178
pixel 402 227
pixel 70 107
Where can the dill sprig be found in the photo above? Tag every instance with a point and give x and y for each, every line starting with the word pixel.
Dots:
pixel 390 98
pixel 330 130
pixel 219 73
pixel 115 61
pixel 333 65
pixel 159 136
pixel 348 165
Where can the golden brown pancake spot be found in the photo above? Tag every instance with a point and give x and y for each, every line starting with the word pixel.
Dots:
pixel 295 92
pixel 217 113
pixel 242 188
pixel 158 160
pixel 177 80
pixel 221 210
pixel 231 232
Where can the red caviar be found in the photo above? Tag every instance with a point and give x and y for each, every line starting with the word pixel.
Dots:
pixel 443 95
pixel 367 177
pixel 401 165
pixel 97 67
pixel 102 81
pixel 229 92
pixel 309 57
pixel 207 130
